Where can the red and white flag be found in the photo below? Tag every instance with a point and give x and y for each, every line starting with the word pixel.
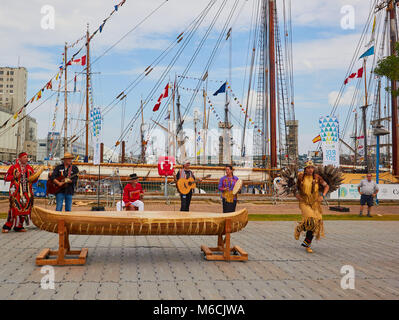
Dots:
pixel 359 74
pixel 81 61
pixel 163 95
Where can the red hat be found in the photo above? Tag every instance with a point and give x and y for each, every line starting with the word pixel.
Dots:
pixel 22 154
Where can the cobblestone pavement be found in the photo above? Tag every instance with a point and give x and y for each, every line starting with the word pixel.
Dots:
pixel 173 267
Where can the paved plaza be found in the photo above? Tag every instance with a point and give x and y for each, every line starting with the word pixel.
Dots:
pixel 173 267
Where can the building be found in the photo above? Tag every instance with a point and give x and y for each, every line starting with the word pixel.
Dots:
pixel 21 137
pixel 51 148
pixel 292 141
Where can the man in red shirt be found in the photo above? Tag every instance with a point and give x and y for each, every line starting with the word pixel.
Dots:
pixel 133 193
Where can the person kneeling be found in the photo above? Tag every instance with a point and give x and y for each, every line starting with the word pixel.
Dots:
pixel 132 194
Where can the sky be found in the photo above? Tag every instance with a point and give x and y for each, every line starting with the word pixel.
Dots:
pixel 322 52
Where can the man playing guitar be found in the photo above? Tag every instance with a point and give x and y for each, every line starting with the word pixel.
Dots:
pixel 185 172
pixel 70 172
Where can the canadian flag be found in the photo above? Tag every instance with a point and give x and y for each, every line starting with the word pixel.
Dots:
pixel 359 74
pixel 81 61
pixel 163 95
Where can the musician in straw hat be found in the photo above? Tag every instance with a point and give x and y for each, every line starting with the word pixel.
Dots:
pixel 70 172
pixel 22 176
pixel 185 172
pixel 309 187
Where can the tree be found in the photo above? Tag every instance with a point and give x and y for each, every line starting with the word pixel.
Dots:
pixel 389 67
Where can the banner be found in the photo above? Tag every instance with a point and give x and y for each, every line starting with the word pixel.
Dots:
pixel 360 147
pixel 95 115
pixel 349 192
pixel 329 133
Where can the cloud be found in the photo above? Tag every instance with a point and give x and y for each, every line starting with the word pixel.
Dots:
pixel 316 13
pixel 324 54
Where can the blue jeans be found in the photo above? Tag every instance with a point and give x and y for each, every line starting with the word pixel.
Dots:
pixel 60 197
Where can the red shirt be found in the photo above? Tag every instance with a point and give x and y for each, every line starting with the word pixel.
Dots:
pixel 131 194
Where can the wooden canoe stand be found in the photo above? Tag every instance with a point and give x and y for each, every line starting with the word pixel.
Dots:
pixel 64 250
pixel 228 254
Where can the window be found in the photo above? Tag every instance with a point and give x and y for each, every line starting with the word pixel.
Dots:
pixel 11 86
pixel 12 73
pixel 42 145
pixel 1 86
pixel 11 79
pixel 1 79
pixel 11 91
pixel 1 72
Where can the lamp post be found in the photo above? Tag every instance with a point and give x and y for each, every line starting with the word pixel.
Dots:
pixel 379 131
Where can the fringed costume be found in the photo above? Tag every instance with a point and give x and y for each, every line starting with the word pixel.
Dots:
pixel 21 195
pixel 312 220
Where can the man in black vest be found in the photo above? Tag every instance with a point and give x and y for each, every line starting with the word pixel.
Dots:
pixel 185 172
pixel 70 172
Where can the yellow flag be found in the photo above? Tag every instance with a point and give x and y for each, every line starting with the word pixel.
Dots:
pixel 39 95
pixel 372 31
pixel 15 116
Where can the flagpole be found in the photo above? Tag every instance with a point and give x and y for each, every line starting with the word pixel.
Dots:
pixel 87 93
pixel 272 80
pixel 364 115
pixel 394 86
pixel 65 101
pixel 142 133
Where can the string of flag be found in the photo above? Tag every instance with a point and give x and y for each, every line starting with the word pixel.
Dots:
pixel 55 116
pixel 201 79
pixel 72 61
pixel 76 42
pixel 221 90
pixel 101 27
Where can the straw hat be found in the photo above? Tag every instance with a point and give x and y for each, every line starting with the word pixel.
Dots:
pixel 68 155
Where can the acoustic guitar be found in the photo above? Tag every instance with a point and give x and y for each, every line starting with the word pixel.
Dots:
pixel 184 186
pixel 53 188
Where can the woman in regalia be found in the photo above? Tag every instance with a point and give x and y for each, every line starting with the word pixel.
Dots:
pixel 226 186
pixel 309 186
pixel 22 176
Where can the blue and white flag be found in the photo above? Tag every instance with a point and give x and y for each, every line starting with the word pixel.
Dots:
pixel 369 52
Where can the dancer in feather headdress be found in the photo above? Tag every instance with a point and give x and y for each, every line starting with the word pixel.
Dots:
pixel 309 187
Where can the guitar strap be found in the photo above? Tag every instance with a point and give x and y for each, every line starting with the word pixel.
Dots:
pixel 69 171
pixel 182 171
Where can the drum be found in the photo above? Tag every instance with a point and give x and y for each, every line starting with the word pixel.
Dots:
pixel 229 196
pixel 237 186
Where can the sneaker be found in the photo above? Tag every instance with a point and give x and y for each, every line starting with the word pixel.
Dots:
pixel 309 250
pixel 369 215
pixel 360 214
pixel 19 230
pixel 4 230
